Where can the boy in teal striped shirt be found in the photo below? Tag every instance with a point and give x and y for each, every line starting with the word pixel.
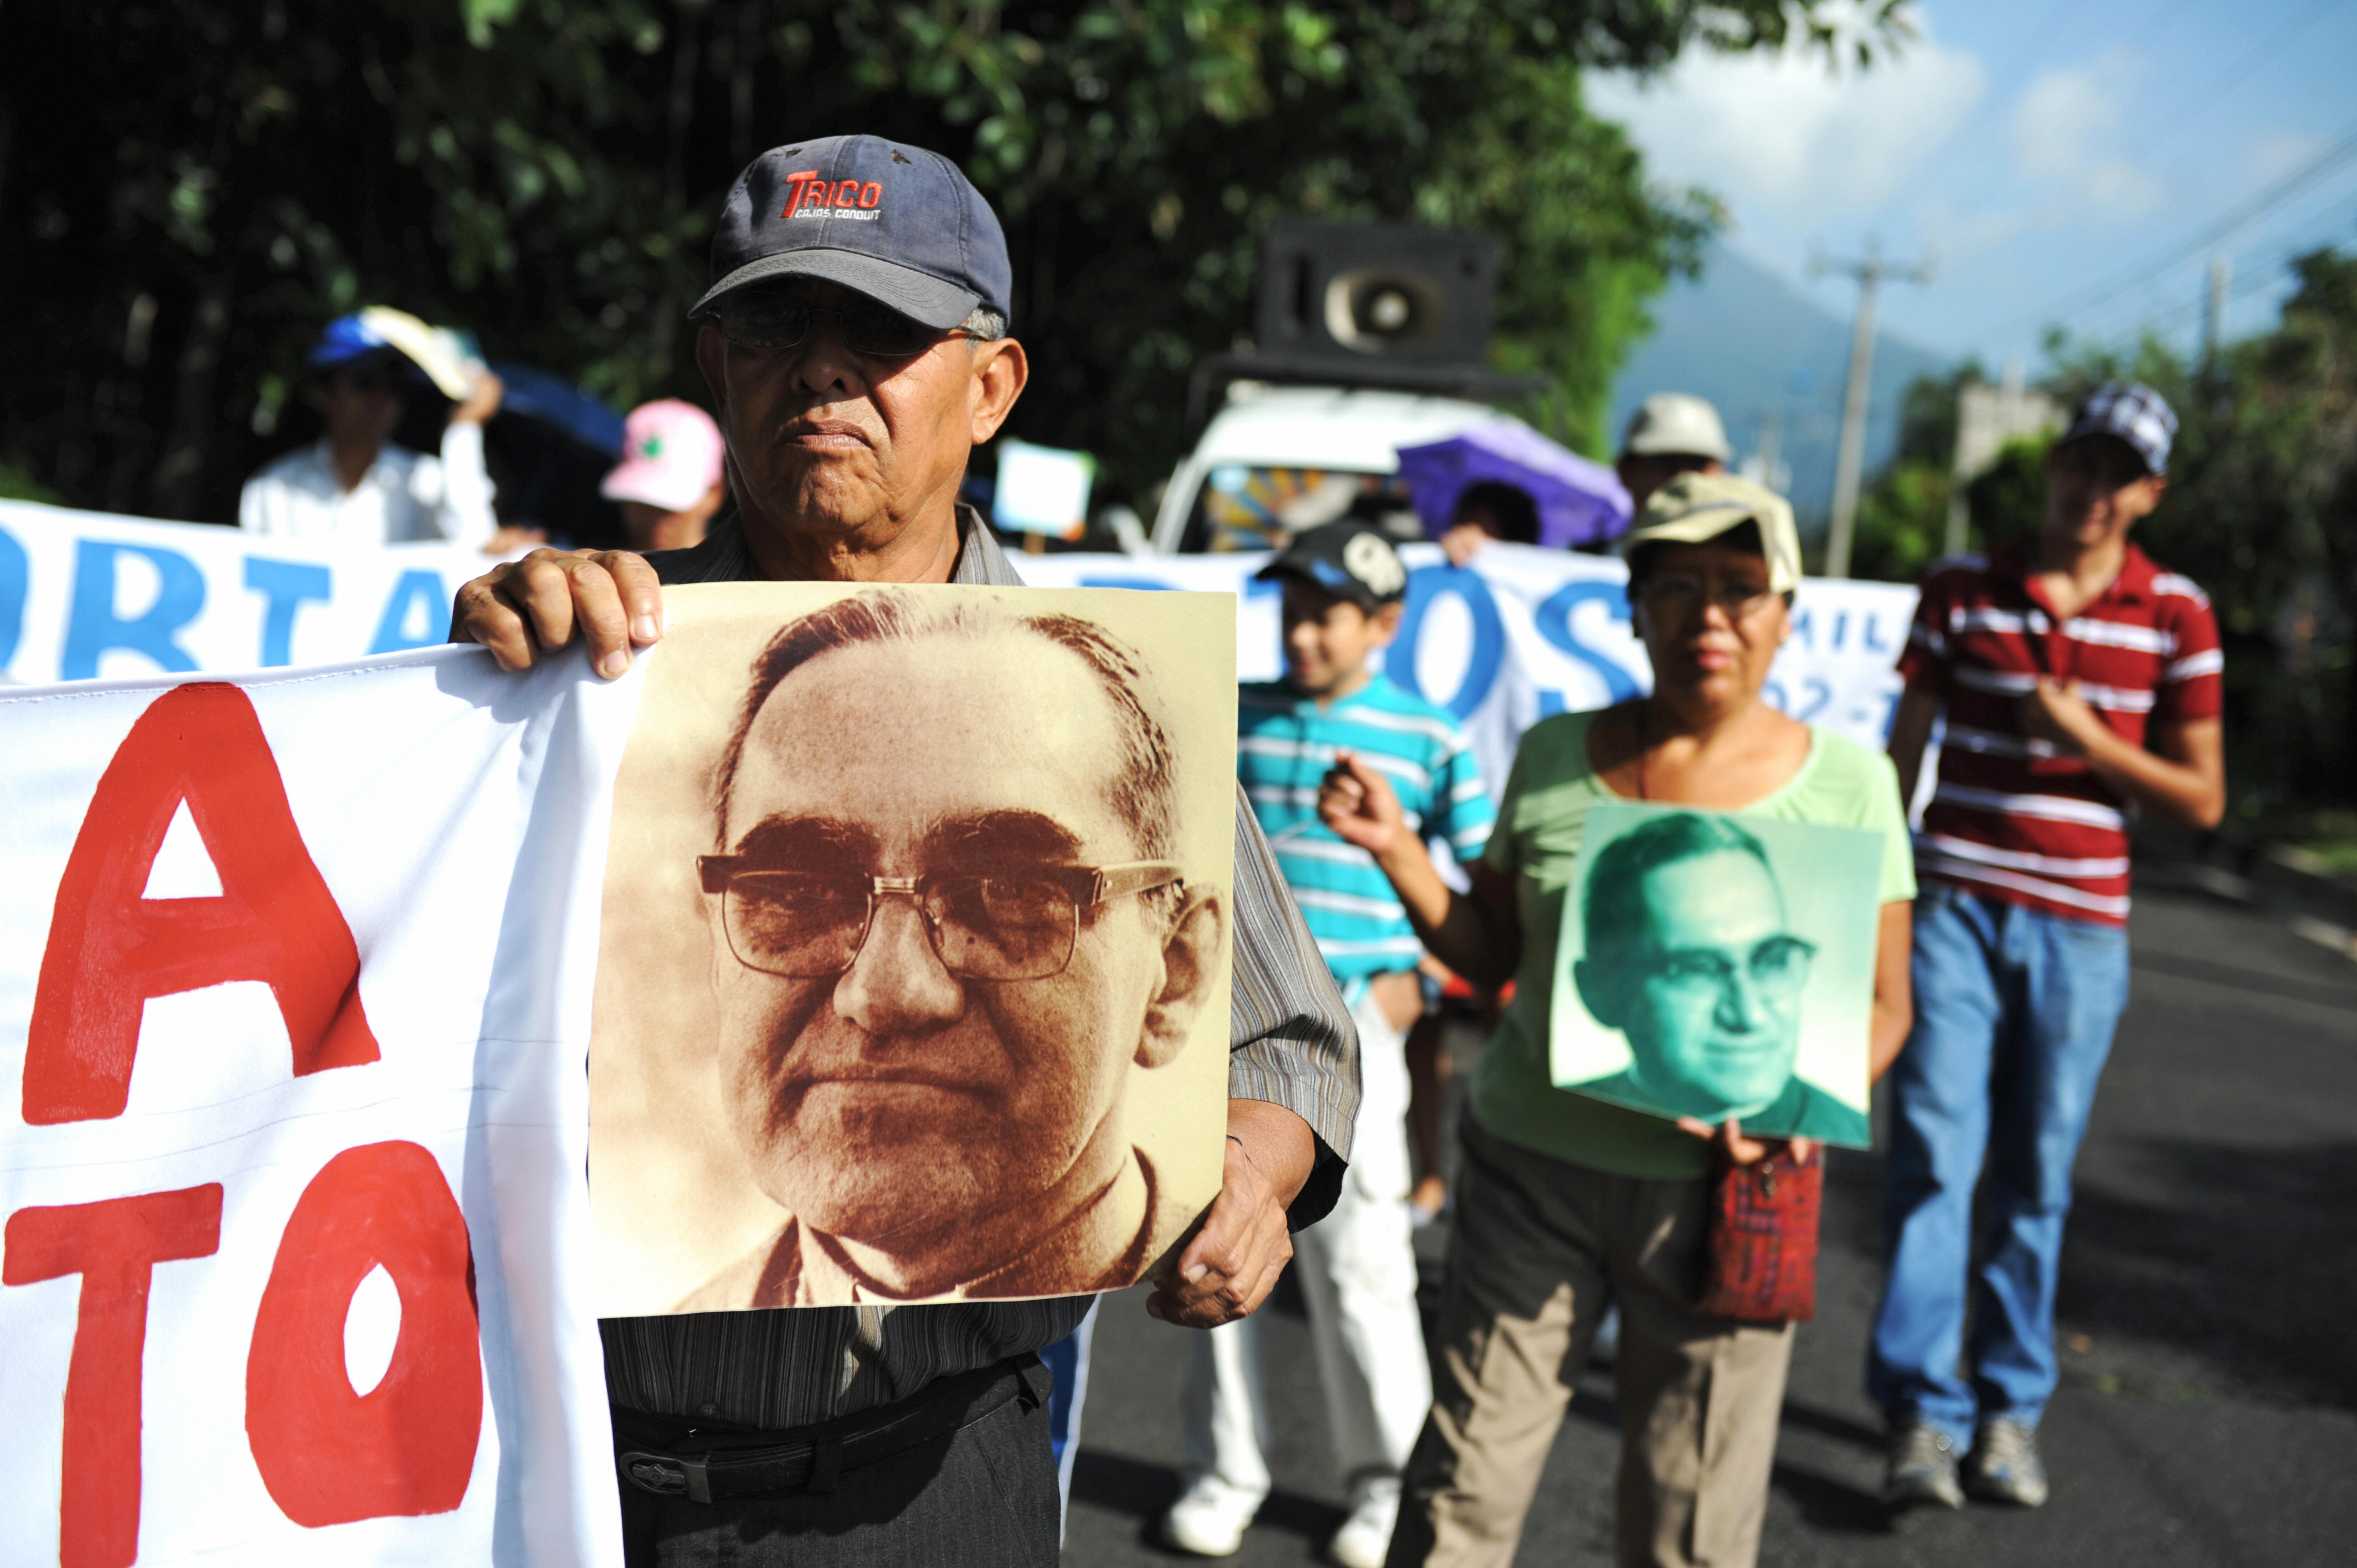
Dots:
pixel 1344 586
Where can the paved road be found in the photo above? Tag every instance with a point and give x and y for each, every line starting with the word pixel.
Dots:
pixel 2207 1413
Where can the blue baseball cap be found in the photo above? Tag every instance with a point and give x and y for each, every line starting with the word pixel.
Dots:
pixel 898 224
pixel 346 339
pixel 2133 413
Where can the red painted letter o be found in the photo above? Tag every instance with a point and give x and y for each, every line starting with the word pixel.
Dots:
pixel 327 1454
pixel 870 193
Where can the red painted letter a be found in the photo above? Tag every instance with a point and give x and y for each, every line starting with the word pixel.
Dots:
pixel 109 948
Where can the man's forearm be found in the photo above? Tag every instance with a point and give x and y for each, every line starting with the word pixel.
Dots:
pixel 1448 923
pixel 1277 1141
pixel 2181 792
pixel 1910 732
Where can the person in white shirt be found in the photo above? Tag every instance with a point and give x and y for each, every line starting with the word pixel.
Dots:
pixel 353 485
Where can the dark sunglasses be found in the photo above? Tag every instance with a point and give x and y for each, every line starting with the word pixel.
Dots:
pixel 773 319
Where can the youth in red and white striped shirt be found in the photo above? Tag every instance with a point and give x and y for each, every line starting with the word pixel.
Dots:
pixel 2075 689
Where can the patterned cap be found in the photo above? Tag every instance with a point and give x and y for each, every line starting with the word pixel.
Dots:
pixel 2135 413
pixel 1351 560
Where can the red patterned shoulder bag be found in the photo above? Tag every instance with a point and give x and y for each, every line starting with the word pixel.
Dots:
pixel 1762 1265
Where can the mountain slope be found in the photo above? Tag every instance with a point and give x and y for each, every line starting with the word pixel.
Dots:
pixel 1754 345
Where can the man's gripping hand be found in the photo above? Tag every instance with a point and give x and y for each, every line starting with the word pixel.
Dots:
pixel 522 609
pixel 1232 1265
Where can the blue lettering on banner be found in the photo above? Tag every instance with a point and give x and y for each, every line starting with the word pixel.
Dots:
pixel 1424 584
pixel 1873 638
pixel 93 627
pixel 416 597
pixel 1145 583
pixel 285 585
pixel 15 581
pixel 1553 619
pixel 1817 696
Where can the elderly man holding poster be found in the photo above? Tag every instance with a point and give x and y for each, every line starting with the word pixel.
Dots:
pixel 854 341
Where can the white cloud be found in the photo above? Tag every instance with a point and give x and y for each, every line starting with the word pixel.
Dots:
pixel 1786 135
pixel 2064 126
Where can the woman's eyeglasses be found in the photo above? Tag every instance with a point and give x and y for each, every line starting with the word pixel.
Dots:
pixel 805 925
pixel 773 318
pixel 1676 593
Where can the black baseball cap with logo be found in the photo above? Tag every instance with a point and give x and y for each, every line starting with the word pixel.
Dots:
pixel 898 224
pixel 1351 560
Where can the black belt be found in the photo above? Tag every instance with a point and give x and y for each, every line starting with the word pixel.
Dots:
pixel 706 1462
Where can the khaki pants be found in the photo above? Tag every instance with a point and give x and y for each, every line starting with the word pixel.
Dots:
pixel 1537 1249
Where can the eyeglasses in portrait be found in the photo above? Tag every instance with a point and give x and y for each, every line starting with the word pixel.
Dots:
pixel 913 983
pixel 1714 965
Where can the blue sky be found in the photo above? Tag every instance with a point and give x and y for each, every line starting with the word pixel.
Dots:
pixel 2062 160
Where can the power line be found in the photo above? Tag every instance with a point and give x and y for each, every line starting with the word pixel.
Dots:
pixel 2251 276
pixel 2343 150
pixel 2232 76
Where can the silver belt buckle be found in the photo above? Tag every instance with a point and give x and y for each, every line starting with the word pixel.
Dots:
pixel 668 1476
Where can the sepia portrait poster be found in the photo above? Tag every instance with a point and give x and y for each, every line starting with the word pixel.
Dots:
pixel 913 972
pixel 1715 965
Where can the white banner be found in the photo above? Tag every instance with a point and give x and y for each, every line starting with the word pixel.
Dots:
pixel 1524 632
pixel 1521 634
pixel 295 987
pixel 84 595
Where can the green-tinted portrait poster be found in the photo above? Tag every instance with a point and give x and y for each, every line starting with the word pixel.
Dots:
pixel 1715 966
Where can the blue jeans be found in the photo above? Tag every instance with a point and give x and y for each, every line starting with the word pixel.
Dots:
pixel 2014 1015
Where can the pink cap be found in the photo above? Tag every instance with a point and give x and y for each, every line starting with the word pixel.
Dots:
pixel 671 456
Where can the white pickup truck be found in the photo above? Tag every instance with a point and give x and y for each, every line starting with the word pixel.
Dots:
pixel 1285 458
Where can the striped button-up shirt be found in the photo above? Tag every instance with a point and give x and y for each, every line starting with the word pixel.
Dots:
pixel 1290 1042
pixel 2012 815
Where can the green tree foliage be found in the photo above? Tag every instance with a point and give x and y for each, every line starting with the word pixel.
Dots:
pixel 1902 518
pixel 204 182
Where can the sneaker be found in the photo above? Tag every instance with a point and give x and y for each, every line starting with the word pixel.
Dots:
pixel 1209 1518
pixel 2005 1466
pixel 1923 1469
pixel 1366 1536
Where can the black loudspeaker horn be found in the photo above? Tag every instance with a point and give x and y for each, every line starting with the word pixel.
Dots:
pixel 1371 305
pixel 1356 292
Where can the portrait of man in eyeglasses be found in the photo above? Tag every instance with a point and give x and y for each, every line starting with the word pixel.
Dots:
pixel 952 922
pixel 1689 950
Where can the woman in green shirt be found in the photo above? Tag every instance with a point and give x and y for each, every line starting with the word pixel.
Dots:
pixel 1568 1204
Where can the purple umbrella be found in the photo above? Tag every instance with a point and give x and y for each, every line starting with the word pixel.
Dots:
pixel 1580 502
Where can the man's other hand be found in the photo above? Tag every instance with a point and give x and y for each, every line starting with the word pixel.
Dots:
pixel 1230 1267
pixel 522 609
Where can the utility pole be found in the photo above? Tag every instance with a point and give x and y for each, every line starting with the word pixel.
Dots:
pixel 2213 311
pixel 1869 271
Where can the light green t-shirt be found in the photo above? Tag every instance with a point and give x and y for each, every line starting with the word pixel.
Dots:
pixel 1536 843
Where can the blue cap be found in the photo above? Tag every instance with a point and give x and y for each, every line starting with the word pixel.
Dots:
pixel 900 225
pixel 347 338
pixel 2135 413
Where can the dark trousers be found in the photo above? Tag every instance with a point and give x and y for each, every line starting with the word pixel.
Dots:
pixel 981 1497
